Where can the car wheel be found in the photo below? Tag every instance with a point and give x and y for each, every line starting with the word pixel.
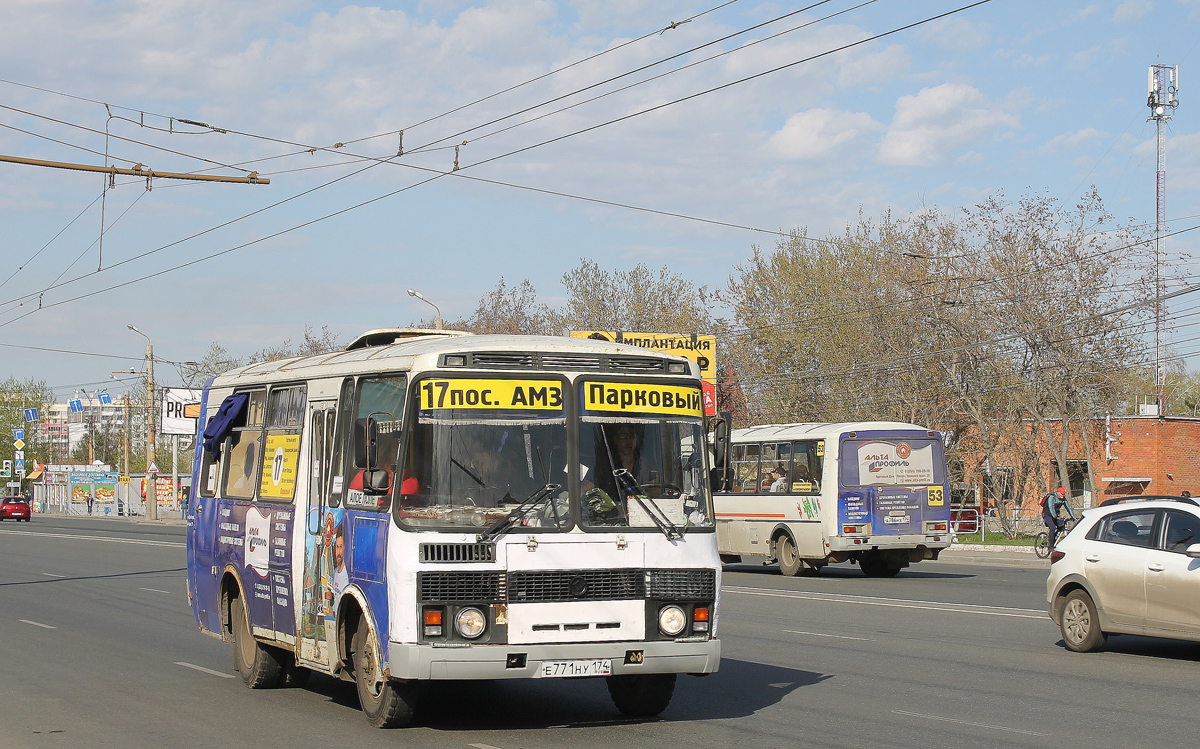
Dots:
pixel 641 695
pixel 1080 624
pixel 789 559
pixel 259 666
pixel 385 703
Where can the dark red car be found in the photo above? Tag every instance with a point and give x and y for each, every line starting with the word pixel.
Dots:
pixel 16 508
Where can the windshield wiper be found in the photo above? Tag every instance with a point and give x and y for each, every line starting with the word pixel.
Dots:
pixel 506 523
pixel 633 489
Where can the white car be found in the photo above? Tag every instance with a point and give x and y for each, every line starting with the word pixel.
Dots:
pixel 1131 566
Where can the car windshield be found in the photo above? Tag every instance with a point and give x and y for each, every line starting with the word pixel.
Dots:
pixel 478 448
pixel 641 456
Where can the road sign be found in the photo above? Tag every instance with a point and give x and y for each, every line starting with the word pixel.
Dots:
pixel 19 443
pixel 18 434
pixel 105 399
pixel 31 414
pixel 19 454
pixel 153 468
pixel 76 406
pixel 19 466
pixel 13 484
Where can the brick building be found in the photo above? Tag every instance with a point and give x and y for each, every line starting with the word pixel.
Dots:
pixel 1129 455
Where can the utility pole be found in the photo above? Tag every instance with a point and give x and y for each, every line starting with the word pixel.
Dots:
pixel 151 476
pixel 1163 87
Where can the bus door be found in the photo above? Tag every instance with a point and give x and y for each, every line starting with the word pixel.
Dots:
pixel 316 622
pixel 372 456
pixel 202 529
pixel 888 482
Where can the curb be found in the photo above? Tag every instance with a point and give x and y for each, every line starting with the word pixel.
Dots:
pixel 991 547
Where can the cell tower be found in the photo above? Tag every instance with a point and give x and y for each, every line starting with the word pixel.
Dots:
pixel 1163 87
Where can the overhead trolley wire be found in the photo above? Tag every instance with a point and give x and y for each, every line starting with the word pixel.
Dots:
pixel 438 175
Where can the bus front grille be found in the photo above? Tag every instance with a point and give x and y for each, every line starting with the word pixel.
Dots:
pixel 458 552
pixel 681 585
pixel 551 586
pixel 461 587
pixel 576 585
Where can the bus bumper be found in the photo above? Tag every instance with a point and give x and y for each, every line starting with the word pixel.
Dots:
pixel 408 661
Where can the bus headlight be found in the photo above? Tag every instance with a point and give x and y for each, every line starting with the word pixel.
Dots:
pixel 671 620
pixel 470 623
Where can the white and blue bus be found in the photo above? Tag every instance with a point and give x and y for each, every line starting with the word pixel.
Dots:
pixel 435 505
pixel 808 495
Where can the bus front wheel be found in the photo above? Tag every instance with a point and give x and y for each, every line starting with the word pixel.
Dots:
pixel 258 665
pixel 789 559
pixel 641 695
pixel 385 703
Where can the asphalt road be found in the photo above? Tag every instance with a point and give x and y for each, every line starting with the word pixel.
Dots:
pixel 99 649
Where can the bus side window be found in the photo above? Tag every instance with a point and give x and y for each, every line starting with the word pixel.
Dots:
pixel 806 468
pixel 776 459
pixel 244 450
pixel 337 465
pixel 209 471
pixel 745 468
pixel 281 444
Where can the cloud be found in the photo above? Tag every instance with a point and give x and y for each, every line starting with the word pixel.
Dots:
pixel 816 133
pixel 1132 10
pixel 955 33
pixel 932 126
pixel 1074 139
pixel 874 68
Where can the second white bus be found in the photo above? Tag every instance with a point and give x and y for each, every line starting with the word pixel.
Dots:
pixel 808 495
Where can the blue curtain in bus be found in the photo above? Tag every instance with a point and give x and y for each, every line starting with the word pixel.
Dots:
pixel 227 417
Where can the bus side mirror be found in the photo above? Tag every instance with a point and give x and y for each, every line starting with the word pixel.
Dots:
pixel 718 475
pixel 366 443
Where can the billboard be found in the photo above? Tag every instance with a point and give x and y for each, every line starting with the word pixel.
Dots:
pixel 701 349
pixel 180 410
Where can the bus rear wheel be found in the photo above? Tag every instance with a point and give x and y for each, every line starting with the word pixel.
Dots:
pixel 789 559
pixel 641 695
pixel 258 665
pixel 385 703
pixel 875 566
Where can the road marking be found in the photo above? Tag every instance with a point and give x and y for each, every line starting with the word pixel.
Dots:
pixel 958 608
pixel 202 668
pixel 38 624
pixel 156 590
pixel 112 539
pixel 970 723
pixel 821 634
pixel 483 746
pixel 51 574
pixel 782 684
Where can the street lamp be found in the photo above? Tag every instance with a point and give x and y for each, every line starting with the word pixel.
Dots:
pixel 151 478
pixel 438 320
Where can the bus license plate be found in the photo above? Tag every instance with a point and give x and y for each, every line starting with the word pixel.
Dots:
pixel 599 667
pixel 896 519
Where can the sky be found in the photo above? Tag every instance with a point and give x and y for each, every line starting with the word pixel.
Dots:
pixel 1010 96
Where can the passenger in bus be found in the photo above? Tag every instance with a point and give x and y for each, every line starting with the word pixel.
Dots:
pixel 621 445
pixel 779 485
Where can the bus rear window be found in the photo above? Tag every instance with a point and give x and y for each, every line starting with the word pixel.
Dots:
pixel 892 461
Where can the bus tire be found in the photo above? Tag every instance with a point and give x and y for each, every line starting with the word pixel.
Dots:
pixel 259 666
pixel 874 566
pixel 385 703
pixel 641 695
pixel 789 559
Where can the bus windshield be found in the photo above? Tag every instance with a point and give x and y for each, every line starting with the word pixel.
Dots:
pixel 478 448
pixel 640 449
pixel 892 461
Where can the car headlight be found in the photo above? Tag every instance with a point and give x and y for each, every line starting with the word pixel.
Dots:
pixel 671 620
pixel 470 623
